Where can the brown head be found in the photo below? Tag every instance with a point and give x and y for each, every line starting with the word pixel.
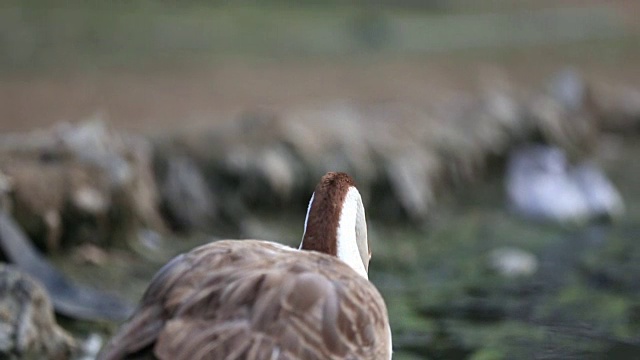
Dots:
pixel 336 223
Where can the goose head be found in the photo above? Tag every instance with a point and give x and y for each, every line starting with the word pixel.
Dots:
pixel 335 223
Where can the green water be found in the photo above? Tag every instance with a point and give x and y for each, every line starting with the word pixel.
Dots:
pixel 444 300
pixel 583 302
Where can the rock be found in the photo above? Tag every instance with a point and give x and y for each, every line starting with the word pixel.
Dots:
pixel 513 262
pixel 6 186
pixel 125 163
pixel 542 185
pixel 27 326
pixel 618 106
pixel 186 197
pixel 254 155
pixel 91 142
pixel 565 114
pixel 37 198
pixel 404 150
pixel 89 254
pixel 569 89
pixel 70 299
pixel 410 177
pixel 78 183
pixel 334 137
pixel 91 347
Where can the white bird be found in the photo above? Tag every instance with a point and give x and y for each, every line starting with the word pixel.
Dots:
pixel 542 184
pixel 253 299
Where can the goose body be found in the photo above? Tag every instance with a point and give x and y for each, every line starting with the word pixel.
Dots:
pixel 254 299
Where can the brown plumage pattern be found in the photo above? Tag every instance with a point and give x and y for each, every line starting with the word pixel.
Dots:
pixel 328 200
pixel 254 299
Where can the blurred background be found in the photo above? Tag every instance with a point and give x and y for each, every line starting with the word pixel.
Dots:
pixel 495 144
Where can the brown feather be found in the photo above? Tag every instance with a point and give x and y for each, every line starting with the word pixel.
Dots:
pixel 320 234
pixel 255 300
pixel 259 300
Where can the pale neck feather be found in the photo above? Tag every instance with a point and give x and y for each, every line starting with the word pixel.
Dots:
pixel 351 232
pixel 306 219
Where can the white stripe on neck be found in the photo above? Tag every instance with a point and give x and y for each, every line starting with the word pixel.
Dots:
pixel 347 242
pixel 346 236
pixel 306 219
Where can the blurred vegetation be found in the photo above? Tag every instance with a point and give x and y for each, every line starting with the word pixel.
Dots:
pixel 74 33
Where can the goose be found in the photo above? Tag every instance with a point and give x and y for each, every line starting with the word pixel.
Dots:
pixel 255 299
pixel 542 184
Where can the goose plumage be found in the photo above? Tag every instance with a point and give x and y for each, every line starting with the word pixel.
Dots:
pixel 254 299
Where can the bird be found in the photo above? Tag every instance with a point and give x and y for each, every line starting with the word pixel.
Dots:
pixel 542 184
pixel 256 299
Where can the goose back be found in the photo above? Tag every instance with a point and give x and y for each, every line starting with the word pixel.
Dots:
pixel 254 299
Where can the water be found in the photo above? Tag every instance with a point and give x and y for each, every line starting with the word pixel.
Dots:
pixel 445 298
